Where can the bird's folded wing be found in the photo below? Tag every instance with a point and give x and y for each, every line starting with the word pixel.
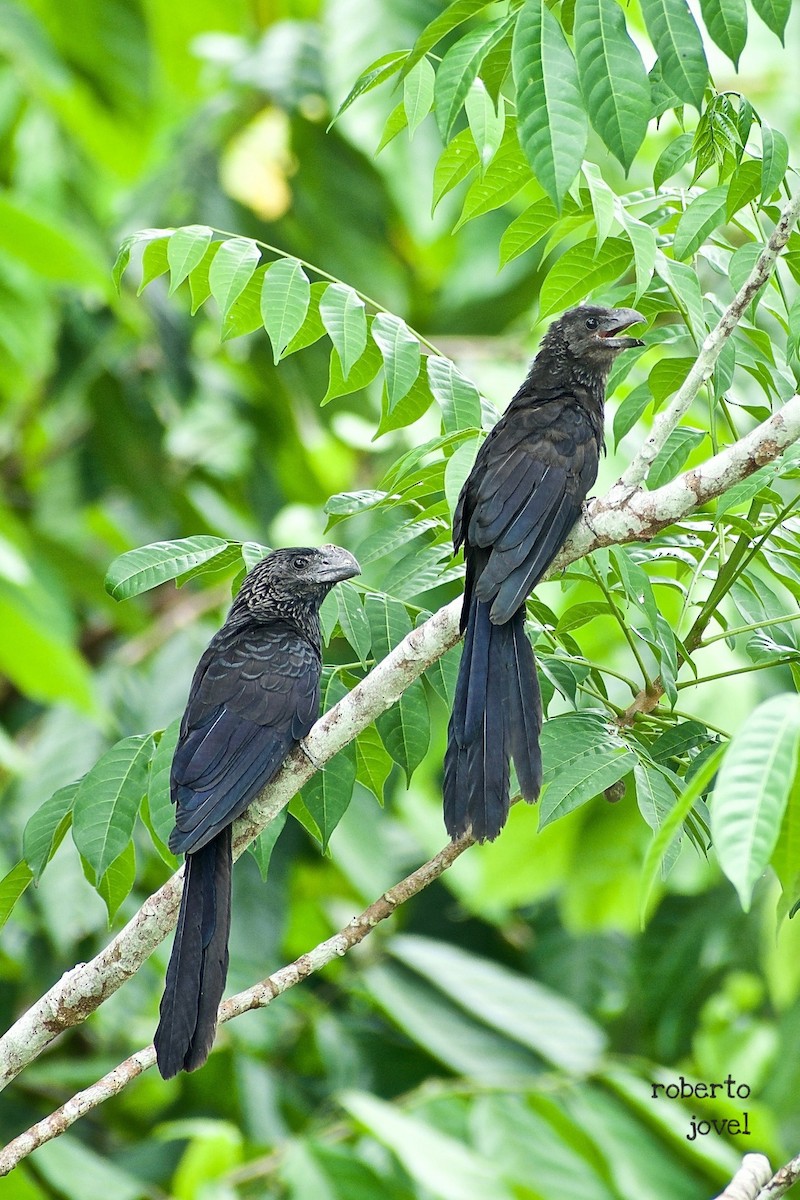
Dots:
pixel 255 693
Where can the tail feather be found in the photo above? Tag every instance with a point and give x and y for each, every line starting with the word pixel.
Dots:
pixel 198 965
pixel 496 715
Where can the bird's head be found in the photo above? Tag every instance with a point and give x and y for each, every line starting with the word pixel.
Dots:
pixel 296 574
pixel 592 335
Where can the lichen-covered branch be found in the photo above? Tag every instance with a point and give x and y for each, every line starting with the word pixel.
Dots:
pixel 258 996
pixel 629 515
pixel 667 420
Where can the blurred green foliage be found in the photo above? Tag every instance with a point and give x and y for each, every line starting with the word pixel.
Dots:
pixel 504 1033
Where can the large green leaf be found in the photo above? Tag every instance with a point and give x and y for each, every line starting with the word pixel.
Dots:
pixel 12 886
pixel 146 567
pixel 108 799
pixel 232 267
pixel 441 1165
pixel 46 828
pixel 774 14
pixel 457 396
pixel 517 1006
pixel 458 159
pixel 757 776
pixel 343 314
pixel 375 74
pixel 612 75
pixel 418 94
pixel 159 798
pixel 373 762
pixel 285 296
pixel 672 455
pixel 456 13
pixel 679 46
pixel 353 620
pixel 506 175
pixel 185 251
pixel 774 162
pixel 401 357
pixel 459 68
pixel 550 112
pixel 705 213
pixel 726 21
pixel 328 793
pixel 581 270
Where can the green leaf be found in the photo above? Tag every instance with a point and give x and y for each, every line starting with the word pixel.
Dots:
pixel 376 73
pixel 46 828
pixel 108 799
pixel 774 14
pixel 353 620
pixel 404 728
pixel 232 267
pixel 454 15
pixel 343 314
pixel 526 230
pixel 116 883
pixel 630 410
pixel 244 315
pixel 580 271
pixel 457 396
pixel 185 251
pixel 418 94
pixel 672 455
pixel 459 68
pixel 682 281
pixel 667 376
pixel 705 213
pixel 199 286
pixel 743 186
pixel 261 848
pixel 401 357
pixel 312 328
pixel 585 777
pixel 755 780
pixel 373 764
pixel 395 123
pixel 486 122
pixel 660 847
pixel 615 86
pixel 459 465
pixel 328 793
pixel 506 175
pixel 774 160
pixel 154 261
pixel 441 1166
pixel 285 297
pixel 679 47
pixel 726 21
pixel 643 241
pixel 455 163
pixel 12 886
pixel 159 798
pixel 674 156
pixel 551 119
pixel 518 1007
pixel 148 566
pixel 636 585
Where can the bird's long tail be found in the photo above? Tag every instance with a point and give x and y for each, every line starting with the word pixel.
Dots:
pixel 497 715
pixel 199 962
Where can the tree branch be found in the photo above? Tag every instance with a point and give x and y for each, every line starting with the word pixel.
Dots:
pixel 746 1184
pixel 636 516
pixel 667 420
pixel 258 996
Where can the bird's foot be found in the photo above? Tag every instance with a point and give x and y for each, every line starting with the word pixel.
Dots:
pixel 316 765
pixel 585 513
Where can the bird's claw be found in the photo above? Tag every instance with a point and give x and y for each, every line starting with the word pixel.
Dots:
pixel 585 512
pixel 303 746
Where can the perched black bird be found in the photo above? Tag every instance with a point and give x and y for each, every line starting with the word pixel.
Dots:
pixel 254 695
pixel 521 499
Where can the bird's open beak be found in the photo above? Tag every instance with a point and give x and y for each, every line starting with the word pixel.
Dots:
pixel 618 320
pixel 338 564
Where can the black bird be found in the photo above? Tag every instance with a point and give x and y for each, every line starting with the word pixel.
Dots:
pixel 521 499
pixel 254 696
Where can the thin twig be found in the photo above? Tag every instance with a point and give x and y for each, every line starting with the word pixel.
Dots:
pixel 666 421
pixel 258 996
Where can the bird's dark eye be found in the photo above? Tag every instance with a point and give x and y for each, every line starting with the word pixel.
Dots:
pixel 591 322
pixel 299 562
